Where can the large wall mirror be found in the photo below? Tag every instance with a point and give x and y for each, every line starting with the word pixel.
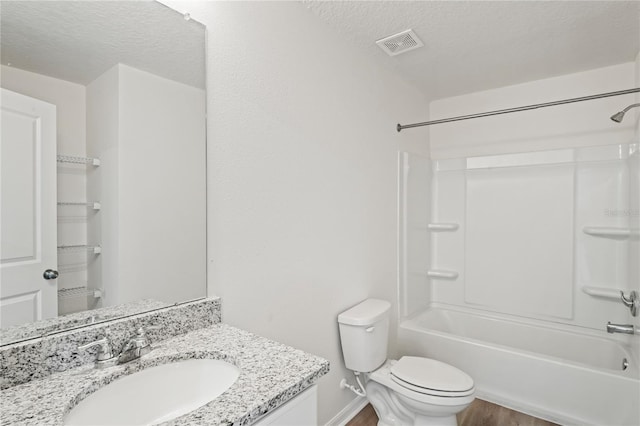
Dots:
pixel 103 162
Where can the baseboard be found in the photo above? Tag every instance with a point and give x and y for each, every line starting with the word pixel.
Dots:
pixel 348 412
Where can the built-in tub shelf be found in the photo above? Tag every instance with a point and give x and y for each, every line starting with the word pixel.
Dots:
pixel 440 227
pixel 605 293
pixel 78 160
pixel 609 232
pixel 91 204
pixel 442 274
pixel 74 292
pixel 79 248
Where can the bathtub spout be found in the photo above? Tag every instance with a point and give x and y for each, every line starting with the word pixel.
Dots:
pixel 620 328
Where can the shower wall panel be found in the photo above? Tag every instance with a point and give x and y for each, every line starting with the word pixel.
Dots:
pixel 537 234
pixel 601 261
pixel 519 240
pixel 634 215
pixel 448 206
pixel 414 239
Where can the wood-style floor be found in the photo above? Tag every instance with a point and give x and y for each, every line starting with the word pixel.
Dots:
pixel 366 417
pixel 479 413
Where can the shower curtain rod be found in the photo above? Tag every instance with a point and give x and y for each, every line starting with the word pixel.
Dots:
pixel 518 109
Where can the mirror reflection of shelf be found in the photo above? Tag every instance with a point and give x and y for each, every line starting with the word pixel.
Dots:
pixel 67 268
pixel 78 160
pixel 442 227
pixel 92 204
pixel 68 293
pixel 442 274
pixel 79 248
pixel 609 232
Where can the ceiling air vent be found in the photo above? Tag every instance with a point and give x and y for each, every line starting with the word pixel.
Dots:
pixel 400 43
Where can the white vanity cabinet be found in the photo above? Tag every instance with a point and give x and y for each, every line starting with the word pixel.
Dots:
pixel 302 410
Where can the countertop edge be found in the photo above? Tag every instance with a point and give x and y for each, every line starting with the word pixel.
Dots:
pixel 271 374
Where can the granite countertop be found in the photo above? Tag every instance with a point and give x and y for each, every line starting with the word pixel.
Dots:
pixel 270 374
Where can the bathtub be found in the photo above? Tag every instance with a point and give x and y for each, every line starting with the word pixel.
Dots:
pixel 553 373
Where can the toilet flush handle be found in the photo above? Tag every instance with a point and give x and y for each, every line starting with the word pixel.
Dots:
pixel 370 329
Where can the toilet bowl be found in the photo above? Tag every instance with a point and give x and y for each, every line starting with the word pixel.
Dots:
pixel 404 392
pixel 410 391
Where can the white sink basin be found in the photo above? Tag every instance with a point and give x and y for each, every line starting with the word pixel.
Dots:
pixel 155 395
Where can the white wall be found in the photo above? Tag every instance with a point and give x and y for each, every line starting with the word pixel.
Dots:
pixel 149 133
pixel 571 125
pixel 103 184
pixel 69 99
pixel 302 164
pixel 162 175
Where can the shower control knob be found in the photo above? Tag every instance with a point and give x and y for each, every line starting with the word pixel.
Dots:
pixel 632 302
pixel 50 274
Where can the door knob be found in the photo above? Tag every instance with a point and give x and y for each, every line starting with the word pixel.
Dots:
pixel 50 274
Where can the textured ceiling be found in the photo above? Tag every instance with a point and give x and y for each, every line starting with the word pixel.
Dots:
pixel 479 45
pixel 469 45
pixel 78 40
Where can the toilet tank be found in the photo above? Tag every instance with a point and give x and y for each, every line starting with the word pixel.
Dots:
pixel 364 332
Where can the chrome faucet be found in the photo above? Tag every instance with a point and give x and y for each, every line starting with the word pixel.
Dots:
pixel 138 346
pixel 105 356
pixel 621 328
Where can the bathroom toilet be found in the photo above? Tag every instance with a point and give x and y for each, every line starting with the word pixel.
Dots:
pixel 410 391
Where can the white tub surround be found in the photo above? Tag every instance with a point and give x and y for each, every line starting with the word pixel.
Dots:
pixel 545 235
pixel 558 374
pixel 519 294
pixel 541 235
pixel 270 375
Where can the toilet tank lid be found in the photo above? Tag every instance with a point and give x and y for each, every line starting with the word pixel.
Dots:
pixel 365 313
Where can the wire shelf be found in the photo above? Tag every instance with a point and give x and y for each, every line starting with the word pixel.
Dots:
pixel 78 160
pixel 91 204
pixel 68 293
pixel 79 248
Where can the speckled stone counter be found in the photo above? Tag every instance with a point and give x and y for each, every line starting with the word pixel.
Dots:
pixel 37 358
pixel 271 374
pixel 79 319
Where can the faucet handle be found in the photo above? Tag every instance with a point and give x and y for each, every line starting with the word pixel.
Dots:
pixel 137 346
pixel 632 302
pixel 142 331
pixel 141 339
pixel 105 354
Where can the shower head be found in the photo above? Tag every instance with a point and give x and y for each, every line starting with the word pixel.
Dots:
pixel 618 116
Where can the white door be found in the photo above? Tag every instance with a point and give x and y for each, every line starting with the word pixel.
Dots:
pixel 27 210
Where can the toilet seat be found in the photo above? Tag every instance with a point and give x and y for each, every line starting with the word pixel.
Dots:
pixel 431 377
pixel 384 377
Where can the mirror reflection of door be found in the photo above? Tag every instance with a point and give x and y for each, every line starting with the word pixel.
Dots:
pixel 27 210
pixel 127 79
